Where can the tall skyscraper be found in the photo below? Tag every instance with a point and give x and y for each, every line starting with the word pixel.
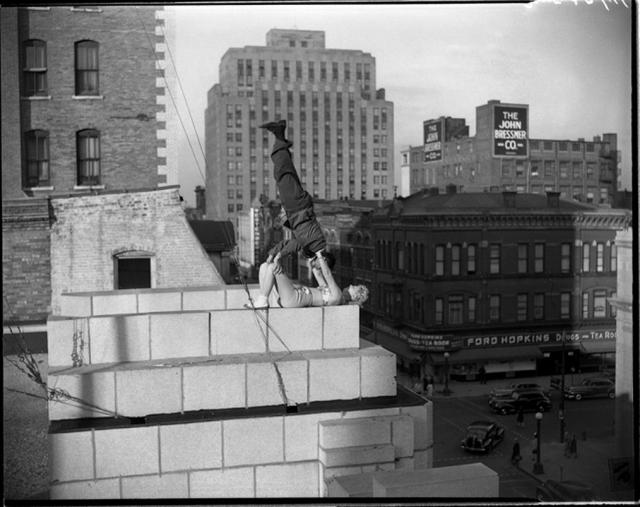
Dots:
pixel 340 124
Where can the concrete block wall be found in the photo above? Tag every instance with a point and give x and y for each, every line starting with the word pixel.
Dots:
pixel 180 385
pixel 100 339
pixel 259 457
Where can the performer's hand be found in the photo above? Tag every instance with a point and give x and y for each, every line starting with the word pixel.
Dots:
pixel 270 259
pixel 277 269
pixel 276 259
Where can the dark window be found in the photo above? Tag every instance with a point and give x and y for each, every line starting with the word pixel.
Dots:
pixel 456 309
pixel 494 259
pixel 523 250
pixel 565 258
pixel 88 153
pixel 87 68
pixel 455 260
pixel 523 303
pixel 538 306
pixel 134 273
pixel 37 158
pixel 35 68
pixel 565 305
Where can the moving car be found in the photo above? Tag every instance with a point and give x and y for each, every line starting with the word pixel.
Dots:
pixel 533 401
pixel 518 388
pixel 482 436
pixel 591 388
pixel 564 490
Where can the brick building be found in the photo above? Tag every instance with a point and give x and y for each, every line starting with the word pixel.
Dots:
pixel 85 111
pixel 501 156
pixel 341 126
pixel 491 279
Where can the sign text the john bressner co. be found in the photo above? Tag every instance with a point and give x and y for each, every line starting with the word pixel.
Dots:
pixel 510 131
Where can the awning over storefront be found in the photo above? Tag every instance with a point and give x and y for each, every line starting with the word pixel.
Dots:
pixel 488 354
pixel 557 347
pixel 598 347
pixel 396 345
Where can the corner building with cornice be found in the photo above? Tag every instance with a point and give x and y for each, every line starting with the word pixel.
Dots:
pixel 463 280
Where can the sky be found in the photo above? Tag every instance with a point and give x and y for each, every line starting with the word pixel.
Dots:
pixel 569 60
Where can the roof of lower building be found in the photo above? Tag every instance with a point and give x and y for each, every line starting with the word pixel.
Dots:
pixel 214 235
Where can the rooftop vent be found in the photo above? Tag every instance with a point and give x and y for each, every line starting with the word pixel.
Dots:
pixel 553 199
pixel 451 188
pixel 509 198
pixel 434 191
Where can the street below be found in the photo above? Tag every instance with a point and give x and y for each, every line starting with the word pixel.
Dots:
pixel 590 420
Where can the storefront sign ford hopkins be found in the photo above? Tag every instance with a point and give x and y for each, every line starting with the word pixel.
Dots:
pixel 433 141
pixel 510 131
pixel 537 338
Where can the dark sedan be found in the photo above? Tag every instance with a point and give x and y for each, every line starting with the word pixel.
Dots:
pixel 534 401
pixel 482 436
pixel 591 388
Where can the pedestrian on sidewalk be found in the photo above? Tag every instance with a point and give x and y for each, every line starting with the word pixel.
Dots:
pixel 515 453
pixel 520 417
pixel 482 373
pixel 574 446
pixel 430 387
pixel 567 445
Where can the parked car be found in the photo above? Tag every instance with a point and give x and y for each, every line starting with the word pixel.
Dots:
pixel 482 436
pixel 518 388
pixel 495 398
pixel 533 401
pixel 591 388
pixel 564 490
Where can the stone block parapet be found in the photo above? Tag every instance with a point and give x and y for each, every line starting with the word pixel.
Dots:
pixel 250 457
pixel 74 341
pixel 189 384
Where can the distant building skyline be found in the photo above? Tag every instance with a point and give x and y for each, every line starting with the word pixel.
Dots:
pixel 340 123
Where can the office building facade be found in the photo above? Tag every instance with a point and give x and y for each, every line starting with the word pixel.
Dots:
pixel 502 156
pixel 340 124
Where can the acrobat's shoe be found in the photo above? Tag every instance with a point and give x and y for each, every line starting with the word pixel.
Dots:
pixel 277 128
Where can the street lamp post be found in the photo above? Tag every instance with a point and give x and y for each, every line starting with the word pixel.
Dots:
pixel 561 413
pixel 446 390
pixel 537 466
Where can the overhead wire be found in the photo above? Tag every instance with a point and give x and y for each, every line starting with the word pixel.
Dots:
pixel 173 100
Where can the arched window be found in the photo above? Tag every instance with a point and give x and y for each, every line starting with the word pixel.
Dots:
pixel 86 55
pixel 36 167
pixel 34 68
pixel 88 154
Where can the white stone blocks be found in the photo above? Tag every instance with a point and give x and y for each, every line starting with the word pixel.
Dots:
pixel 174 485
pixel 225 483
pixel 473 480
pixel 237 332
pixel 197 445
pixel 253 441
pixel 282 381
pixel 150 390
pixel 97 389
pixel 71 456
pixel 159 301
pixel 237 295
pixel 422 424
pixel 126 451
pixel 339 433
pixel 119 338
pixel 203 299
pixel 301 435
pixel 81 490
pixel 287 480
pixel 114 303
pixel 378 372
pixel 64 337
pixel 218 383
pixel 402 435
pixel 295 329
pixel 332 376
pixel 75 305
pixel 341 326
pixel 179 335
pixel 357 455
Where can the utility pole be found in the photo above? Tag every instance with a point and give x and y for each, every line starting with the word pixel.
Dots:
pixel 561 412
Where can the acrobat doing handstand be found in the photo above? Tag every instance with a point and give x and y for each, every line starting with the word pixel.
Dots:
pixel 307 237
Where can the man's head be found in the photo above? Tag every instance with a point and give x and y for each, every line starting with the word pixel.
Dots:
pixel 355 293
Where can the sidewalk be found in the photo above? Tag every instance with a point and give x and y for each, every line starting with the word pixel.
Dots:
pixel 590 467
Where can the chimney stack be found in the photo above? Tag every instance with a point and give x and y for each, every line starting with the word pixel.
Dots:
pixel 509 199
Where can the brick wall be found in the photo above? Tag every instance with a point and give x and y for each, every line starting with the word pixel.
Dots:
pixel 89 231
pixel 26 261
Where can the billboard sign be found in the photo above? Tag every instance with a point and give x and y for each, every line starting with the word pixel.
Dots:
pixel 510 130
pixel 433 141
